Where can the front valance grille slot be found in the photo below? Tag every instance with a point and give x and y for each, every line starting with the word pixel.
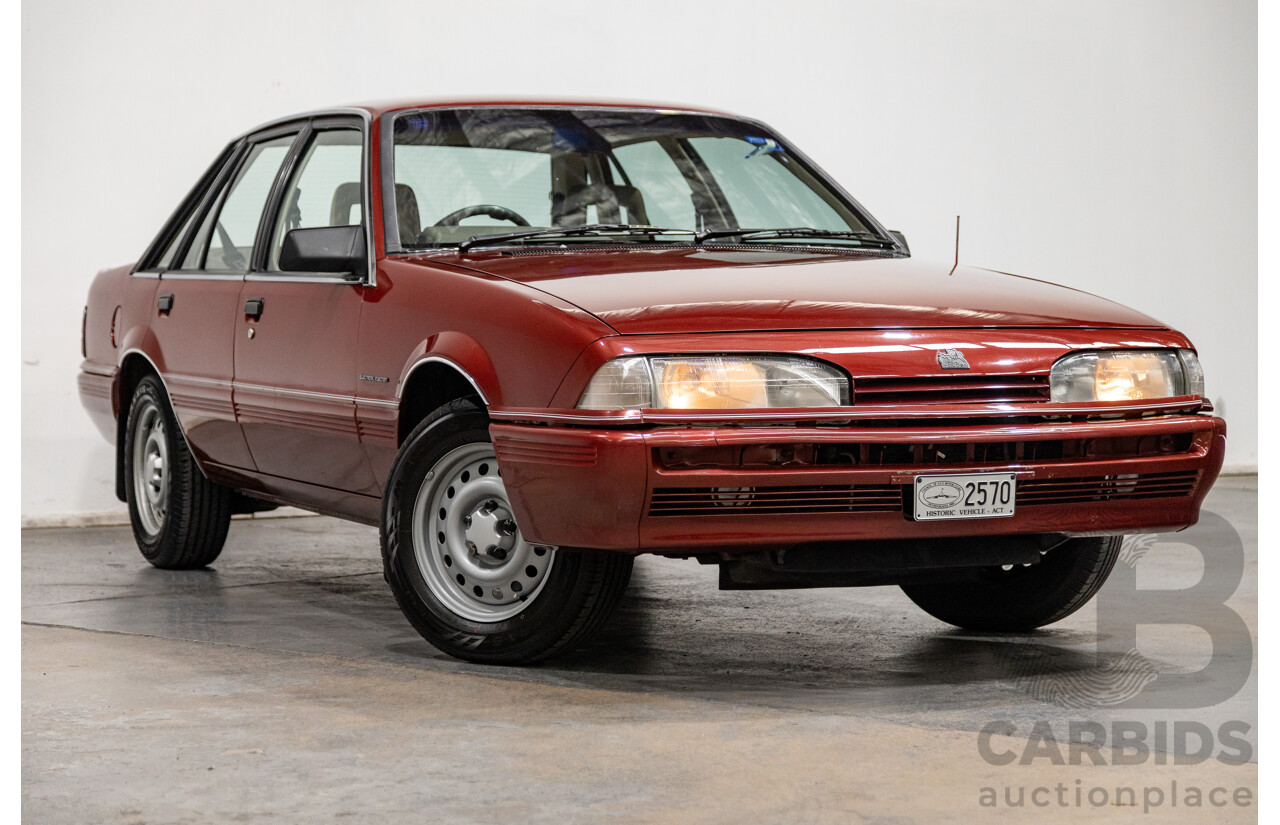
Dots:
pixel 698 501
pixel 1107 488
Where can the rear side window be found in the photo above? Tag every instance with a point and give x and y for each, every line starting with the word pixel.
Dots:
pixel 226 237
pixel 166 258
pixel 163 252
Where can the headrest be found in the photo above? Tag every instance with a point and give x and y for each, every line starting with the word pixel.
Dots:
pixel 572 211
pixel 407 214
pixel 345 196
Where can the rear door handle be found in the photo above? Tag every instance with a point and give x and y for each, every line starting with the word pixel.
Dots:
pixel 253 308
pixel 164 303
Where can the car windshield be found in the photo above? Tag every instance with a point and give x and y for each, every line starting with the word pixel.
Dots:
pixel 465 173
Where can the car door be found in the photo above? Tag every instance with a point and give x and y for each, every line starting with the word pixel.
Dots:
pixel 196 301
pixel 295 333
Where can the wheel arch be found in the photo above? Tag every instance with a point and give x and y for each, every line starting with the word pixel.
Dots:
pixel 134 366
pixel 430 383
pixel 445 368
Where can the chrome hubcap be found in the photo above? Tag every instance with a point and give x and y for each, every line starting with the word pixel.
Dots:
pixel 150 468
pixel 467 543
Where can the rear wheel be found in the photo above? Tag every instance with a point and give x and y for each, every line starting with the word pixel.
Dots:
pixel 458 565
pixel 1023 598
pixel 179 517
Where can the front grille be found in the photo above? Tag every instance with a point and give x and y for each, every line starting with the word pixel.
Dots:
pixel 737 501
pixel 952 389
pixel 1106 488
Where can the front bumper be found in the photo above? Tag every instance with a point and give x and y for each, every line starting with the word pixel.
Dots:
pixel 577 485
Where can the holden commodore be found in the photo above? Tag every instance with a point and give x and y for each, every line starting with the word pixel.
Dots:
pixel 531 341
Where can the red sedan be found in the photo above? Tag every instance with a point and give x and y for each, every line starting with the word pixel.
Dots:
pixel 530 341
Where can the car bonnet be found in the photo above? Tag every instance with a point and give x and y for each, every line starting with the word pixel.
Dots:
pixel 647 291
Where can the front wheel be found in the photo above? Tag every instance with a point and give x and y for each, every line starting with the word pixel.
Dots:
pixel 1023 598
pixel 458 565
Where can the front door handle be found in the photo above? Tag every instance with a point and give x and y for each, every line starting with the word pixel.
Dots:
pixel 164 303
pixel 253 308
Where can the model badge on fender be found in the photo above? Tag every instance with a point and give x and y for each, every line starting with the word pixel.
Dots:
pixel 952 359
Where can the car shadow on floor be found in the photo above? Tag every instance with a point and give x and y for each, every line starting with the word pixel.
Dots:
pixel 675 633
pixel 778 649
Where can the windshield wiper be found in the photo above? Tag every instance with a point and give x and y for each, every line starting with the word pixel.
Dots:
pixel 569 232
pixel 794 232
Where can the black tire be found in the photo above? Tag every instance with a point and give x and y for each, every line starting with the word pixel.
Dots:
pixel 1023 598
pixel 553 603
pixel 179 517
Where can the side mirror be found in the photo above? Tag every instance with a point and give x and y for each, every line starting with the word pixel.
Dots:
pixel 902 239
pixel 338 249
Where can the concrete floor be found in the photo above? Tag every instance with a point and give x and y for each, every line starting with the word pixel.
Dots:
pixel 284 686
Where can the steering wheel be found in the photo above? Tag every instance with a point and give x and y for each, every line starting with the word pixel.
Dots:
pixel 500 213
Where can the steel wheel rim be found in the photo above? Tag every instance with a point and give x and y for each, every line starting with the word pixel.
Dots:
pixel 466 542
pixel 150 468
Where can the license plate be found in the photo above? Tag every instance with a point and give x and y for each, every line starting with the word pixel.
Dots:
pixel 976 495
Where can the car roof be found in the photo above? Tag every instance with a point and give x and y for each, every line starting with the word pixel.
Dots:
pixel 377 109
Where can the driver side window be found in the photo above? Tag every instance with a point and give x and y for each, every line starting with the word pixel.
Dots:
pixel 326 189
pixel 225 240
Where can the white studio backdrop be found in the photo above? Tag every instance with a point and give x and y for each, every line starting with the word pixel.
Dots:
pixel 1110 147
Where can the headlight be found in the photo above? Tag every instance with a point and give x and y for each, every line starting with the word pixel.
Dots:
pixel 716 382
pixel 1126 375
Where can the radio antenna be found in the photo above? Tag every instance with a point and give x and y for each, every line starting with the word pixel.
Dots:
pixel 957 263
